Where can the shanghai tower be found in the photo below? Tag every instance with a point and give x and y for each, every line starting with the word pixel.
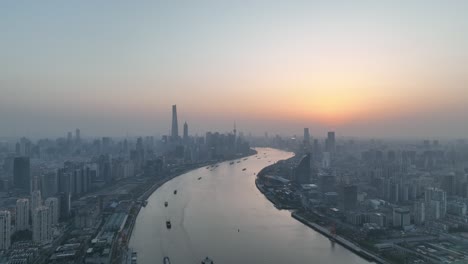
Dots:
pixel 175 128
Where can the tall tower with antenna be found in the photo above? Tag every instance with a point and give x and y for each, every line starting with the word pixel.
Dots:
pixel 235 137
pixel 235 130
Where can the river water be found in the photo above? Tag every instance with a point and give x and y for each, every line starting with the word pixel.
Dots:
pixel 225 217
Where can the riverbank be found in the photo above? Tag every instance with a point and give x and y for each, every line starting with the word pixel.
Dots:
pixel 322 230
pixel 338 239
pixel 296 214
pixel 271 197
pixel 278 197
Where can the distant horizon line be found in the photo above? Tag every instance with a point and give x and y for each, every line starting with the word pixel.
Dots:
pixel 252 135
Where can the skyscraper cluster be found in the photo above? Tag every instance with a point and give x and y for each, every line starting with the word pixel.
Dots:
pixel 214 145
pixel 51 179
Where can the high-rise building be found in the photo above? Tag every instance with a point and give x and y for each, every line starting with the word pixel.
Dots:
pixel 401 217
pixel 419 212
pixel 8 167
pixel 436 203
pixel 63 180
pixel 234 131
pixel 378 218
pixel 456 208
pixel 69 138
pixel 326 160
pixel 36 200
pixel 53 204
pixel 175 128
pixel 330 142
pixel 105 168
pixel 185 132
pixel 316 149
pixel 65 205
pixel 349 196
pixel 125 147
pixel 77 135
pixel 22 174
pixel 49 184
pixel 326 182
pixel 448 184
pixel 5 230
pixel 80 181
pixel 394 195
pixel 22 214
pixel 18 149
pixel 302 171
pixel 306 135
pixel 25 147
pixel 42 228
pixel 404 193
pixel 35 183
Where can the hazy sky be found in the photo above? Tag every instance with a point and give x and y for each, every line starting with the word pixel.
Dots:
pixel 362 68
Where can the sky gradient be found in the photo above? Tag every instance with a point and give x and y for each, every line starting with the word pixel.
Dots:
pixel 367 68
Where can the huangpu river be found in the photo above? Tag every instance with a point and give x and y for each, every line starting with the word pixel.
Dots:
pixel 225 217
